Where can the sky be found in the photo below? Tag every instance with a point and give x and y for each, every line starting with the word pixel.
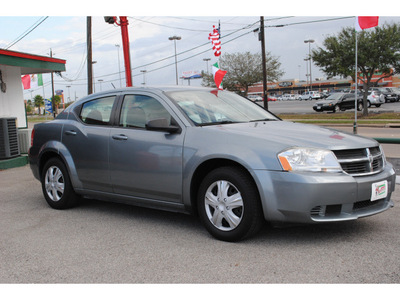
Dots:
pixel 63 30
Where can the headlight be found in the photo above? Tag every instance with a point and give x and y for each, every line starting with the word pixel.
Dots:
pixel 309 160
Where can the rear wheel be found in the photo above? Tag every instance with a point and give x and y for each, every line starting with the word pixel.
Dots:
pixel 56 185
pixel 229 204
pixel 360 106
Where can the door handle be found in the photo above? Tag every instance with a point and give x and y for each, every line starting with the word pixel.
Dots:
pixel 120 137
pixel 70 132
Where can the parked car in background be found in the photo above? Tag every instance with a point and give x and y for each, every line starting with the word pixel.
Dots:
pixel 339 102
pixel 389 93
pixel 393 90
pixel 208 152
pixel 375 98
pixel 310 95
pixel 272 98
pixel 254 98
pixel 288 97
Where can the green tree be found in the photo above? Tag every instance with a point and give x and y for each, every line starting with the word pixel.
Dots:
pixel 244 70
pixel 378 51
pixel 57 101
pixel 38 101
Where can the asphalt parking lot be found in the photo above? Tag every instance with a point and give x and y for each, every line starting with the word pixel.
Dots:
pixel 100 242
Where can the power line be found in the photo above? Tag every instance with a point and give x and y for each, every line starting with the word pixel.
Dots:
pixel 28 31
pixel 309 22
pixel 207 43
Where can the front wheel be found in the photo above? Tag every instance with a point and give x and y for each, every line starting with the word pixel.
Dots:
pixel 56 185
pixel 336 108
pixel 229 204
pixel 360 106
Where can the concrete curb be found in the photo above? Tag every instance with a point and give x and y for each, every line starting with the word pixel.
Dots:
pixel 396 165
pixel 14 162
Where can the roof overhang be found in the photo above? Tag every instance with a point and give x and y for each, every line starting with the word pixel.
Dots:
pixel 31 64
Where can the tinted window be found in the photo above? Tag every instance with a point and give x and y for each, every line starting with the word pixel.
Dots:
pixel 97 112
pixel 139 109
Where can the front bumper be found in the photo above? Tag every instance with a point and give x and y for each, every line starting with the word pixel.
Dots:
pixel 320 108
pixel 390 98
pixel 313 198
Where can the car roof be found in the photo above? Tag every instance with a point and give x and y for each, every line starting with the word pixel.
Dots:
pixel 153 89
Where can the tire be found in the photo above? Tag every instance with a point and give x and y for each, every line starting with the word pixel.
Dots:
pixel 336 108
pixel 377 105
pixel 360 106
pixel 56 185
pixel 229 205
pixel 369 104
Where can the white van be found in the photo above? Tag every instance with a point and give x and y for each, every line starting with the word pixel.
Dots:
pixel 310 95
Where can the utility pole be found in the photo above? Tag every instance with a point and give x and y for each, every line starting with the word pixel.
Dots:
pixel 89 54
pixel 261 38
pixel 52 89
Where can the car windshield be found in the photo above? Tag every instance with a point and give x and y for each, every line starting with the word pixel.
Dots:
pixel 218 107
pixel 334 96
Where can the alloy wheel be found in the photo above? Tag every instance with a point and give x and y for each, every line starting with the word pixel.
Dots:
pixel 54 183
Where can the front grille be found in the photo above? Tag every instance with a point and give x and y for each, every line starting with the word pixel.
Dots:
pixel 366 204
pixel 361 162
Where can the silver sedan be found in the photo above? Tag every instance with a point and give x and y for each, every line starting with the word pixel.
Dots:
pixel 211 153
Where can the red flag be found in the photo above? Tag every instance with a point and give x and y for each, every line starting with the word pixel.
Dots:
pixel 26 81
pixel 366 22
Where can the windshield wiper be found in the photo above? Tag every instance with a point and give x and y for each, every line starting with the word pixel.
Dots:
pixel 262 120
pixel 218 123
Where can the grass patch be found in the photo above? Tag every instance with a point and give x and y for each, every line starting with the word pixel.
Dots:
pixel 39 119
pixel 344 118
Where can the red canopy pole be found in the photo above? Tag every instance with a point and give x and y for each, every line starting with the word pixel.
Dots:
pixel 125 45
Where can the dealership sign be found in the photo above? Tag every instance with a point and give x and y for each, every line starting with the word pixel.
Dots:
pixel 191 74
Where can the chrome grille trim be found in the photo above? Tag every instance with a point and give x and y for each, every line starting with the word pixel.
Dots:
pixel 361 162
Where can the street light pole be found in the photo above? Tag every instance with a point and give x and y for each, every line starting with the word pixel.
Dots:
pixel 119 66
pixel 100 81
pixel 144 76
pixel 69 93
pixel 306 60
pixel 207 60
pixel 309 56
pixel 175 38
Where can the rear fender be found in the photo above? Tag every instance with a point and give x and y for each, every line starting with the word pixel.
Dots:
pixel 56 148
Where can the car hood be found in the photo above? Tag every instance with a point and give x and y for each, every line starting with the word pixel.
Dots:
pixel 326 101
pixel 279 135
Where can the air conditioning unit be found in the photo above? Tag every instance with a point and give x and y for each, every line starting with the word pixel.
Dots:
pixel 9 147
pixel 24 140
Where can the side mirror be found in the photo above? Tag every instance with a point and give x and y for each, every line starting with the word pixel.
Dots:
pixel 162 125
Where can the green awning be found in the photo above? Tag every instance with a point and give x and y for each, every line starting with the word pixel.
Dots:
pixel 31 64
